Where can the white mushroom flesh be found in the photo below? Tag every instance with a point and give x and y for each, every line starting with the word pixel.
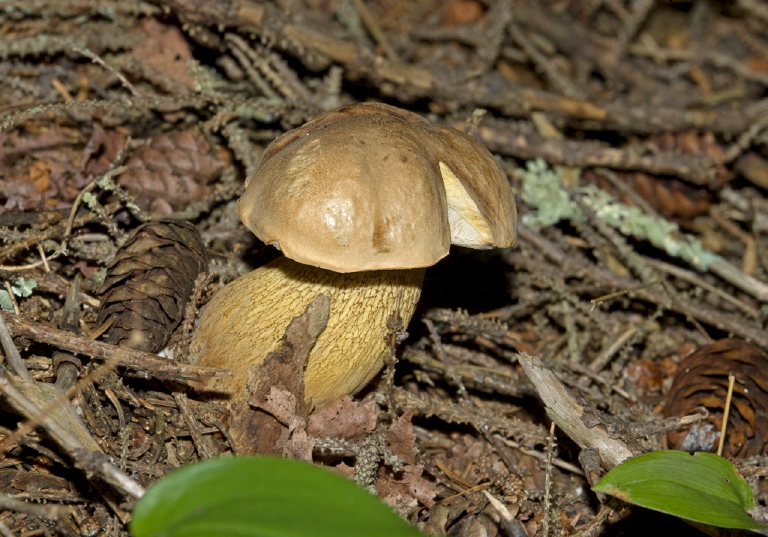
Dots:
pixel 469 227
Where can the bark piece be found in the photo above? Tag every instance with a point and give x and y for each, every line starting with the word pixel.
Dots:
pixel 563 408
pixel 266 422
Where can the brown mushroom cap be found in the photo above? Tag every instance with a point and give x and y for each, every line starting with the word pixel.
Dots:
pixel 372 187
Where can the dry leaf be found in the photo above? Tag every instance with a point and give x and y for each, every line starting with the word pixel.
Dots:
pixel 275 409
pixel 402 439
pixel 407 490
pixel 343 418
pixel 166 49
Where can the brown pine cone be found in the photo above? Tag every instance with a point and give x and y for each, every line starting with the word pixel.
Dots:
pixel 172 171
pixel 702 381
pixel 149 282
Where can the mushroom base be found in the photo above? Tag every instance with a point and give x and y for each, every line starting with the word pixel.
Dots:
pixel 246 319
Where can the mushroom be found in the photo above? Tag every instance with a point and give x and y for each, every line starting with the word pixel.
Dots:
pixel 359 200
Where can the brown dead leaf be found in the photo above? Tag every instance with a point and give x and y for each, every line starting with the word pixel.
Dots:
pixel 25 192
pixel 282 405
pixel 459 12
pixel 101 149
pixel 299 446
pixel 402 439
pixel 276 409
pixel 18 196
pixel 166 50
pixel 406 491
pixel 424 490
pixel 284 367
pixel 40 175
pixel 757 64
pixel 644 377
pixel 346 470
pixel 343 419
pixel 46 173
pixel 754 168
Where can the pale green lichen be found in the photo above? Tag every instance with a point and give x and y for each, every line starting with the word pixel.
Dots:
pixel 105 182
pixel 631 221
pixel 21 287
pixel 89 200
pixel 543 191
pixel 6 304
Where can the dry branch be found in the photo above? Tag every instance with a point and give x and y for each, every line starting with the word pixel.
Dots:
pixel 145 364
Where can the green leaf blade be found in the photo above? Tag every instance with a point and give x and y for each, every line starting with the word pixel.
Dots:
pixel 702 487
pixel 262 497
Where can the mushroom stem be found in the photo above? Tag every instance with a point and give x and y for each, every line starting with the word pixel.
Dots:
pixel 245 320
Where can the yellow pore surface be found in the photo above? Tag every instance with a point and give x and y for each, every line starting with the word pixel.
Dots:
pixel 246 319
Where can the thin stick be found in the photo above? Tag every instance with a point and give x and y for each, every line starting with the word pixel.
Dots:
pixel 5 531
pixel 604 357
pixel 90 462
pixel 560 463
pixel 9 290
pixel 99 61
pixel 12 353
pixel 726 411
pixel 43 258
pixel 691 277
pixel 50 510
pixel 76 204
pixel 476 488
pixel 145 363
pixel 373 27
pixel 194 431
pixel 598 300
pixel 500 507
pixel 548 480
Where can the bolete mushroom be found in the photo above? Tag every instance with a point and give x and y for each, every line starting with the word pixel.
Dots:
pixel 360 200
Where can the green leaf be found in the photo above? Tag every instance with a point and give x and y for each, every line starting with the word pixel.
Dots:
pixel 702 487
pixel 262 497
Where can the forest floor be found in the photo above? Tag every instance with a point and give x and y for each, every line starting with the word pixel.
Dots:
pixel 635 138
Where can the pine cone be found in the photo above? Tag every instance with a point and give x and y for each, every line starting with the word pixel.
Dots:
pixel 149 282
pixel 702 381
pixel 171 172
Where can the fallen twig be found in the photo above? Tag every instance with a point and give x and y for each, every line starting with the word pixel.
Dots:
pixel 150 365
